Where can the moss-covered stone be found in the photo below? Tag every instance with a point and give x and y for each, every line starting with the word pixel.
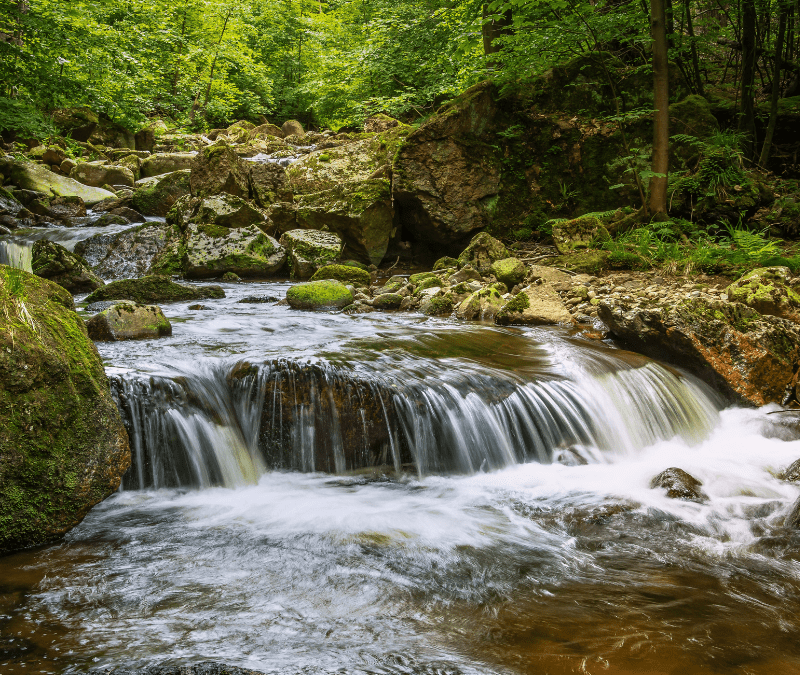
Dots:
pixel 319 295
pixel 63 447
pixel 154 289
pixel 97 175
pixel 308 250
pixel 583 262
pixel 444 263
pixel 31 176
pixel 483 305
pixel 52 261
pixel 427 282
pixel 415 279
pixel 212 250
pixel 387 301
pixel 157 195
pixel 127 320
pixel 510 271
pixel 163 163
pixel 692 116
pixel 767 290
pixel 482 252
pixel 344 273
pixel 579 233
pixel 216 169
pixel 438 305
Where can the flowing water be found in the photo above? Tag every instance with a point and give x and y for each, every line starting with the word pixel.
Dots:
pixel 389 493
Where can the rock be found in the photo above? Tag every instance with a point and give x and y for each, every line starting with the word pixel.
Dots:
pixel 125 254
pixel 692 116
pixel 127 320
pixel 793 519
pixel 437 304
pixel 67 207
pixel 30 176
pixel 484 305
pixel 50 155
pixel 308 250
pixel 510 271
pixel 767 291
pixel 327 294
pixel 792 473
pixel 212 250
pixel 268 184
pixel 569 457
pixel 204 668
pixel 95 307
pixel 344 273
pixel 378 123
pixel 257 299
pixel 98 175
pixel 223 210
pixel 154 289
pixel 583 262
pixel 482 252
pixel 679 485
pixel 550 274
pixel 145 139
pixel 444 263
pixel 293 128
pixel 264 130
pixel 131 215
pixel 110 219
pixel 76 123
pixel 111 134
pixel 583 232
pixel 217 168
pixel 536 305
pixel 231 276
pixel 200 307
pixel 167 162
pixel 52 261
pixel 737 351
pixel 9 204
pixel 155 196
pixel 63 447
pixel 388 301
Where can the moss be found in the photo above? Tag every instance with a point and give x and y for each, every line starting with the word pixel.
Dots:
pixel 153 289
pixel 261 246
pixel 518 304
pixel 428 282
pixel 444 263
pixel 326 294
pixel 213 231
pixel 439 306
pixel 414 279
pixel 343 273
pixel 388 301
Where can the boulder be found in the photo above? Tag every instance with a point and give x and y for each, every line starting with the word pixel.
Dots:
pixel 154 289
pixel 536 305
pixel 510 271
pixel 97 175
pixel 217 168
pixel 437 303
pixel 344 273
pixel 224 210
pixel 155 196
pixel 113 135
pixel 268 184
pixel 378 123
pixel 793 519
pixel 583 232
pixel 308 250
pixel 145 139
pixel 482 305
pixel 9 204
pixel 293 128
pixel 67 207
pixel 679 485
pixel 127 320
pixel 482 252
pixel 52 261
pixel 692 116
pixel 792 473
pixel 212 250
pixel 767 290
pixel 128 254
pixel 35 177
pixel 76 123
pixel 264 130
pixel 63 447
pixel 748 356
pixel 326 295
pixel 166 162
pixel 388 301
pixel 550 274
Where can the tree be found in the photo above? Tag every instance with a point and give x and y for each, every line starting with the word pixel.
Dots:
pixel 658 182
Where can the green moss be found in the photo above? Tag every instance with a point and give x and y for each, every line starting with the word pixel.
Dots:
pixel 213 231
pixel 439 306
pixel 414 279
pixel 153 289
pixel 518 304
pixel 444 263
pixel 343 273
pixel 428 282
pixel 326 294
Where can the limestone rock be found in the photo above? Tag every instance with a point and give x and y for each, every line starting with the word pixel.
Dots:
pixel 550 274
pixel 217 168
pixel 31 176
pixel 482 252
pixel 482 305
pixel 212 250
pixel 536 305
pixel 223 209
pixel 437 303
pixel 52 261
pixel 679 485
pixel 125 254
pixel 98 175
pixel 308 250
pixel 581 232
pixel 510 271
pixel 154 289
pixel 127 320
pixel 166 162
pixel 77 123
pixel 767 290
pixel 63 447
pixel 344 273
pixel 268 184
pixel 293 128
pixel 327 294
pixel 155 196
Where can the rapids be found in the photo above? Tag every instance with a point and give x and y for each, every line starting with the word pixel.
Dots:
pixel 389 493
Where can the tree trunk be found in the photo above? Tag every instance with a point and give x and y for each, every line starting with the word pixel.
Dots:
pixel 492 29
pixel 693 47
pixel 747 118
pixel 776 86
pixel 216 55
pixel 658 183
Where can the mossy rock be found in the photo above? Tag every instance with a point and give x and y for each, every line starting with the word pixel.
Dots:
pixel 579 233
pixel 355 263
pixel 537 305
pixel 343 273
pixel 482 252
pixel 156 196
pixel 52 261
pixel 582 262
pixel 127 320
pixel 212 250
pixel 308 250
pixel 387 301
pixel 415 279
pixel 63 447
pixel 319 295
pixel 154 289
pixel 482 305
pixel 439 305
pixel 692 116
pixel 767 290
pixel 444 263
pixel 428 282
pixel 35 177
pixel 510 271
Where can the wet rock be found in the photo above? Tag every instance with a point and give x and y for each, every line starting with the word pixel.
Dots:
pixel 482 305
pixel 387 301
pixel 67 207
pixel 62 442
pixel 436 304
pixel 127 320
pixel 157 195
pixel 569 457
pixel 793 519
pixel 35 177
pixel 344 273
pixel 200 307
pixel 257 299
pixel 110 219
pixel 154 289
pixel 510 271
pixel 792 473
pixel 767 290
pixel 125 254
pixel 583 232
pixel 216 169
pixel 212 250
pixel 95 307
pixel 98 175
pixel 204 668
pixel 162 163
pixel 536 305
pixel 131 215
pixel 308 250
pixel 679 485
pixel 54 262
pixel 231 276
pixel 482 252
pixel 9 204
pixel 319 295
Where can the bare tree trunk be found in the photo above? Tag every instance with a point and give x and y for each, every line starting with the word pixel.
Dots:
pixel 747 119
pixel 658 184
pixel 776 86
pixel 493 29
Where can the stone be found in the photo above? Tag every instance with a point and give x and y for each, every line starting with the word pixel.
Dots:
pixel 583 232
pixel 510 271
pixel 268 184
pixel 793 519
pixel 113 135
pixel 110 219
pixel 344 273
pixel 212 250
pixel 131 215
pixel 154 289
pixel 679 485
pixel 127 320
pixel 52 261
pixel 63 447
pixel 378 123
pixel 67 207
pixel 166 162
pixel 292 128
pixel 9 204
pixel 145 140
pixel 483 305
pixel 466 273
pixel 437 304
pixel 264 130
pixel 308 250
pixel 231 276
pixel 792 473
pixel 217 168
pixel 257 299
pixel 388 301
pixel 155 196
pixel 319 295
pixel 98 175
pixel 482 252
pixel 692 116
pixel 35 177
pixel 76 123
pixel 224 210
pixel 767 290
pixel 536 305
pixel 550 274
pixel 128 254
pixel 444 263
pixel 203 668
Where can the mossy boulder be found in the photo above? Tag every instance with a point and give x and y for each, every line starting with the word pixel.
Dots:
pixel 440 304
pixel 154 289
pixel 444 263
pixel 692 116
pixel 98 175
pixel 510 271
pixel 76 123
pixel 768 291
pixel 212 250
pixel 127 320
pixel 293 128
pixel 155 196
pixel 52 261
pixel 35 177
pixel 166 162
pixel 308 250
pixel 111 134
pixel 387 301
pixel 63 447
pixel 579 233
pixel 536 305
pixel 344 273
pixel 319 295
pixel 268 184
pixel 482 252
pixel 484 305
pixel 582 261
pixel 427 282
pixel 216 169
pixel 415 279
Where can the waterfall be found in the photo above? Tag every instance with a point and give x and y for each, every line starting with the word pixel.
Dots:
pixel 15 254
pixel 223 424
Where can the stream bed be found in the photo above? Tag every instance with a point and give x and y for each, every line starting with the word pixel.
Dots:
pixel 319 494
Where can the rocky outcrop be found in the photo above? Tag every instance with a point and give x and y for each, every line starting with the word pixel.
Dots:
pixel 319 295
pixel 127 254
pixel 224 210
pixel 128 320
pixel 213 250
pixel 35 177
pixel 166 162
pixel 155 196
pixel 268 184
pixel 52 261
pixel 63 447
pixel 308 250
pixel 154 289
pixel 98 174
pixel 536 305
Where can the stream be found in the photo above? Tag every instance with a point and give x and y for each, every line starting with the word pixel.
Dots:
pixel 321 493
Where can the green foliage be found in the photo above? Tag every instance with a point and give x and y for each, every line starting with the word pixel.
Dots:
pixel 720 164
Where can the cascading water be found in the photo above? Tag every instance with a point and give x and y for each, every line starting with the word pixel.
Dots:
pixel 15 254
